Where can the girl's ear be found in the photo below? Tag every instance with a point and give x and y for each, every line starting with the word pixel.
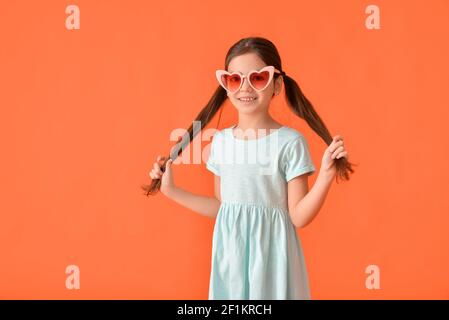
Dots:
pixel 278 85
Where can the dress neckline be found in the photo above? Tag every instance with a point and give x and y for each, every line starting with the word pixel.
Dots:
pixel 231 133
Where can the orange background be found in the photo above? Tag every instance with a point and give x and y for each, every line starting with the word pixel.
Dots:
pixel 86 112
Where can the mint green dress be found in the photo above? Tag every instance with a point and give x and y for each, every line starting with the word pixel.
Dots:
pixel 256 253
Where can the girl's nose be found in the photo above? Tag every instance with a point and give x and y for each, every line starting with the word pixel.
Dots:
pixel 245 85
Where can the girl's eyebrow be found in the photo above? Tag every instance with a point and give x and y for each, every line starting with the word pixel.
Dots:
pixel 230 71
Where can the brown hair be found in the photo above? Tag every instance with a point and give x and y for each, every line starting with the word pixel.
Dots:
pixel 296 101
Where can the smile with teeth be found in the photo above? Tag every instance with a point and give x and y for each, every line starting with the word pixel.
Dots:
pixel 246 99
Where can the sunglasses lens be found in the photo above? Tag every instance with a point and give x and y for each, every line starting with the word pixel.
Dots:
pixel 231 82
pixel 259 79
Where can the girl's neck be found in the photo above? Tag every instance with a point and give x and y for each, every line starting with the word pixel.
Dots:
pixel 269 123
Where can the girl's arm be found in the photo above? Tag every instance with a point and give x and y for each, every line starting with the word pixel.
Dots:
pixel 206 206
pixel 304 205
pixel 302 212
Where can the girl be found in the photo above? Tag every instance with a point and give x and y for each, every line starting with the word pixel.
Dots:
pixel 256 253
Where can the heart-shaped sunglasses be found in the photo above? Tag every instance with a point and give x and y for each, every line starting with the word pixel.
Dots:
pixel 258 79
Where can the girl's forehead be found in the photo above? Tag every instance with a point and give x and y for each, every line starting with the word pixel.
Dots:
pixel 245 63
pixel 244 69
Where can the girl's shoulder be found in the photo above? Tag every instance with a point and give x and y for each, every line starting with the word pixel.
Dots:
pixel 220 134
pixel 288 134
pixel 217 133
pixel 291 140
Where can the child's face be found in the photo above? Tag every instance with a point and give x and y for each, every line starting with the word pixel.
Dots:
pixel 244 64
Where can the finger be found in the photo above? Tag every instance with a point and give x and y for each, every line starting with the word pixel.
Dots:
pixel 168 165
pixel 336 152
pixel 157 169
pixel 338 143
pixel 334 146
pixel 157 175
pixel 160 158
pixel 154 174
pixel 337 137
pixel 342 154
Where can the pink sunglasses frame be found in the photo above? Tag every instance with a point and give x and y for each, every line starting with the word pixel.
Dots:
pixel 270 69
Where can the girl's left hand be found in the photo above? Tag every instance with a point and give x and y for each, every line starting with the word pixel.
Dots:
pixel 334 151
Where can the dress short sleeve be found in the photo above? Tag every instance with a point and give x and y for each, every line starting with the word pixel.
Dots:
pixel 212 164
pixel 296 159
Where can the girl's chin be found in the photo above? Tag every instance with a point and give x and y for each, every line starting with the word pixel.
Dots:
pixel 248 110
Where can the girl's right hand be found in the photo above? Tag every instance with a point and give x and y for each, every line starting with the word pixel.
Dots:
pixel 167 176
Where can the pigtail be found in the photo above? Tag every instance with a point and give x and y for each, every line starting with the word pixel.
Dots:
pixel 302 107
pixel 203 118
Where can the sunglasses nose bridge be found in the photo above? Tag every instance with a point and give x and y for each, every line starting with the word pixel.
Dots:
pixel 245 79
